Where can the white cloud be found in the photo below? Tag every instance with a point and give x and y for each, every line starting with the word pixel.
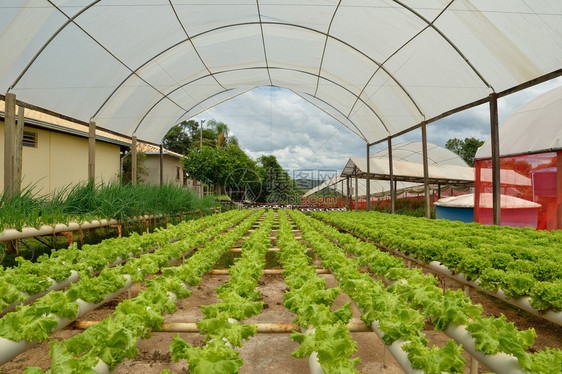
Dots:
pixel 275 121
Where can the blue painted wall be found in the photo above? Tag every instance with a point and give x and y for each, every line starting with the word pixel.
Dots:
pixel 454 214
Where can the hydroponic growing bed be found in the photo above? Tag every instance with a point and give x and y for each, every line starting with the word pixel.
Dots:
pixel 249 291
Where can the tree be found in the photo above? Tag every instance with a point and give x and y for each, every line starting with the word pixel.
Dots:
pixel 230 168
pixel 181 137
pixel 221 134
pixel 465 148
pixel 127 175
pixel 277 185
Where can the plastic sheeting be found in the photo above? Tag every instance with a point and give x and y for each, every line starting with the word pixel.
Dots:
pixel 380 67
pixel 533 128
pixel 378 188
pixel 530 188
pixel 410 171
pixel 408 154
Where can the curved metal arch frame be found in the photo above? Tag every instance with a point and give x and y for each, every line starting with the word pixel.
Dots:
pixel 89 6
pixel 134 71
pixel 360 134
pixel 188 37
pixel 72 20
pixel 180 118
pixel 432 26
pixel 258 68
pixel 326 44
pixel 181 42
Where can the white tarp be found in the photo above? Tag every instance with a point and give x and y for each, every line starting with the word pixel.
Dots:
pixel 409 157
pixel 379 66
pixel 409 170
pixel 535 127
pixel 467 201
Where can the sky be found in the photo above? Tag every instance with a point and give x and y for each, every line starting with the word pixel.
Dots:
pixel 270 120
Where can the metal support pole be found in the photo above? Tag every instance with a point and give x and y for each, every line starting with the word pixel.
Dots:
pixel 356 190
pixel 18 164
pixel 559 188
pixel 425 171
pixel 391 174
pixel 9 142
pixel 368 178
pixel 201 135
pixel 348 180
pixel 161 165
pixel 495 158
pixel 92 152
pixel 134 160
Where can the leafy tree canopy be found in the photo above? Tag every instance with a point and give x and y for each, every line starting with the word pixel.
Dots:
pixel 465 148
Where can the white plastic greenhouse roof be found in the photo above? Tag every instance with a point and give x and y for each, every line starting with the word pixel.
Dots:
pixel 410 171
pixel 533 128
pixel 412 152
pixel 467 201
pixel 408 152
pixel 377 188
pixel 378 66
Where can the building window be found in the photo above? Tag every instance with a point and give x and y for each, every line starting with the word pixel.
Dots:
pixel 178 173
pixel 29 139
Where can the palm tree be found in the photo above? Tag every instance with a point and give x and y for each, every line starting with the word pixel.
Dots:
pixel 221 130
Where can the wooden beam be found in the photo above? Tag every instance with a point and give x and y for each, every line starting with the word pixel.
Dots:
pixel 134 161
pixel 391 174
pixel 161 165
pixel 18 163
pixel 92 152
pixel 368 180
pixel 425 171
pixel 495 139
pixel 9 143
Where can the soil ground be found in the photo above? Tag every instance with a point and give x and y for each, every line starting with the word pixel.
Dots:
pixel 272 352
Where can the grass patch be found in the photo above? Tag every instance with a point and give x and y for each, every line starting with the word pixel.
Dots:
pixel 87 201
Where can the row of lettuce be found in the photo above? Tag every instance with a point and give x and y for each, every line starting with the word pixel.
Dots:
pixel 399 310
pixel 414 297
pixel 324 331
pixel 522 262
pixel 34 323
pixel 221 322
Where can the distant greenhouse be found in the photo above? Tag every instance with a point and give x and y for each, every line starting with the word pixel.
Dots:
pixel 531 166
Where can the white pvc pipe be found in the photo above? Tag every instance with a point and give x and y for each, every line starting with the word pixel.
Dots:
pixel 101 367
pixel 520 302
pixel 313 363
pixel 499 363
pixel 396 351
pixel 9 348
pixel 55 286
pixel 28 232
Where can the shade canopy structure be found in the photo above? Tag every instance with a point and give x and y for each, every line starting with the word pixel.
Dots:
pixel 380 67
pixel 408 154
pixel 405 171
pixel 412 152
pixel 536 127
pixel 378 187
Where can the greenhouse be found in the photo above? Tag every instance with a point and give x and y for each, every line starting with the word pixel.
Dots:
pixel 530 162
pixel 185 283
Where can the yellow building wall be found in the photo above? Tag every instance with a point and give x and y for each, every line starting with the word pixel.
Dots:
pixel 152 164
pixel 62 159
